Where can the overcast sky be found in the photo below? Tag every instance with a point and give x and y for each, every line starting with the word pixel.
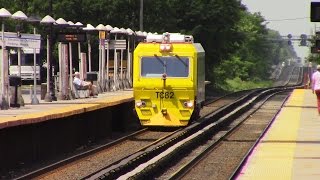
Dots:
pixel 287 17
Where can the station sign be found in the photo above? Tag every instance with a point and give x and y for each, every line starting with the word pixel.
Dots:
pixel 102 35
pixel 117 44
pixel 72 37
pixel 32 41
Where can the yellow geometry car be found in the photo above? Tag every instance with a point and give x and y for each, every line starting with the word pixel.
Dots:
pixel 168 80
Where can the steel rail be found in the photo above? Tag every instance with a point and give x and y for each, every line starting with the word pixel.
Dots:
pixel 225 115
pixel 60 163
pixel 247 155
pixel 193 162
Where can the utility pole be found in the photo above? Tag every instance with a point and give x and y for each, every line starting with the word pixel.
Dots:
pixel 141 15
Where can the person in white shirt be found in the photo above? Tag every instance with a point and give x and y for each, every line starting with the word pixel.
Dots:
pixel 315 85
pixel 81 84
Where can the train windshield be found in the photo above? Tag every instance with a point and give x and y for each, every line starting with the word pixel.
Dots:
pixel 172 66
pixel 26 57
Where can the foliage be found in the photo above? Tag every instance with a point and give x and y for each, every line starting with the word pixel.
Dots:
pixel 237 84
pixel 237 43
pixel 260 49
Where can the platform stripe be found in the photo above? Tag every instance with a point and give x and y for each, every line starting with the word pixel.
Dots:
pixel 307 156
pixel 273 157
pixel 64 111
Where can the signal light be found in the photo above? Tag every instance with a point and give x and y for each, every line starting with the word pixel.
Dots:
pixel 318 43
pixel 303 41
pixel 315 12
pixel 316 48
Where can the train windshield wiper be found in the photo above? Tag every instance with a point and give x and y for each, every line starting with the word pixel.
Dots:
pixel 162 62
pixel 184 63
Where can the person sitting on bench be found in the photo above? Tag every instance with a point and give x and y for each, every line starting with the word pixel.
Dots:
pixel 84 85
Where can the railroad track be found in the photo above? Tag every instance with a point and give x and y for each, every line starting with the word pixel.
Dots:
pixel 215 115
pixel 146 164
pixel 142 136
pixel 220 156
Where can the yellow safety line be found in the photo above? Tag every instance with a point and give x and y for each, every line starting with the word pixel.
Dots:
pixel 273 157
pixel 62 112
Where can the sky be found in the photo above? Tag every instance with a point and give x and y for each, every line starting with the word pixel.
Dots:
pixel 287 17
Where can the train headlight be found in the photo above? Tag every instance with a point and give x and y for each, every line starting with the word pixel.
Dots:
pixel 140 104
pixel 188 104
pixel 165 47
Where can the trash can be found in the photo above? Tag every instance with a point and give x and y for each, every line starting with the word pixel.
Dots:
pixel 14 81
pixel 92 76
pixel 43 90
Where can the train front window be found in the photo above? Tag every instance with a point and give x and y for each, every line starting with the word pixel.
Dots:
pixel 173 66
pixel 26 59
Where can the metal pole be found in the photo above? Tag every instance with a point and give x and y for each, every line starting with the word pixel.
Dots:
pixel 4 104
pixel 34 99
pixel 99 71
pixel 108 88
pixel 103 64
pixel 115 66
pixel 19 95
pixel 48 97
pixel 70 68
pixel 19 61
pixel 89 53
pixel 61 55
pixel 79 52
pixel 129 62
pixel 121 69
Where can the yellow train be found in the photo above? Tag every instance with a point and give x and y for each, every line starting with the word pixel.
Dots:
pixel 168 80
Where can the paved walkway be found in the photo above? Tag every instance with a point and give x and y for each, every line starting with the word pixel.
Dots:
pixel 291 147
pixel 58 109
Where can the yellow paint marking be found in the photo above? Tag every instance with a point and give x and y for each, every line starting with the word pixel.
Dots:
pixel 61 112
pixel 273 157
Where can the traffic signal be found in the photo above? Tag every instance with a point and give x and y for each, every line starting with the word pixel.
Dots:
pixel 316 48
pixel 289 41
pixel 315 12
pixel 303 41
pixel 318 43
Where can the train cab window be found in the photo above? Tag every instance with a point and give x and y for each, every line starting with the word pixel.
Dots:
pixel 13 59
pixel 173 66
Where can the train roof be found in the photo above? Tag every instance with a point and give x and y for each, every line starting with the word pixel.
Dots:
pixel 169 38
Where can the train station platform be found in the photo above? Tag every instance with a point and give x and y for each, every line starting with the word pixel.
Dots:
pixel 45 111
pixel 43 132
pixel 290 149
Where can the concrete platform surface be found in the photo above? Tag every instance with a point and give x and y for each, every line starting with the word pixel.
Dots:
pixel 58 109
pixel 290 149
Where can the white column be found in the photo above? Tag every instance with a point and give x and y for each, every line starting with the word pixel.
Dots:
pixel 89 54
pixel 3 101
pixel 48 95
